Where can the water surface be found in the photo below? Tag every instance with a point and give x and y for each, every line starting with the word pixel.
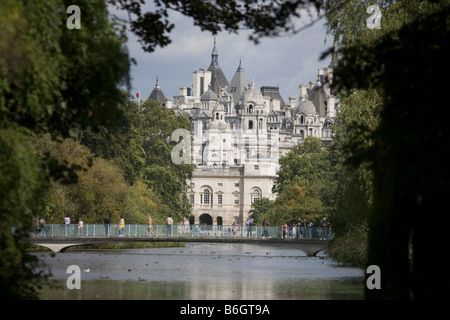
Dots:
pixel 203 271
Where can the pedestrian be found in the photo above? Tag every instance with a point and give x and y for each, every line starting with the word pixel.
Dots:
pixel 169 223
pixel 80 226
pixel 66 225
pixel 234 227
pixel 121 226
pixel 37 228
pixel 266 228
pixel 310 226
pixel 303 229
pixel 107 223
pixel 299 222
pixel 249 227
pixel 284 230
pixel 36 225
pixel 149 226
pixel 324 229
pixel 42 226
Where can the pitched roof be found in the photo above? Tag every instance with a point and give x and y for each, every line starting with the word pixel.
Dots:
pixel 157 94
pixel 238 85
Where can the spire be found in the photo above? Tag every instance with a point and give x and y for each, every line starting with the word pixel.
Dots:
pixel 218 79
pixel 214 54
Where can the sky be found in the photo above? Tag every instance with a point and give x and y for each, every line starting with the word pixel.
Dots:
pixel 285 61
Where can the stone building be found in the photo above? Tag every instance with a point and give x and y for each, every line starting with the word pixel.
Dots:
pixel 239 133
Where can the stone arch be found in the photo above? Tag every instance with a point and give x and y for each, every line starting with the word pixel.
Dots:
pixel 205 218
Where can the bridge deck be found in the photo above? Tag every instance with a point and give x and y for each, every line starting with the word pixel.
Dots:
pixel 60 243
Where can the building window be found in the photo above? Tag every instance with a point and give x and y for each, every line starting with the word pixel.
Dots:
pixel 236 184
pixel 256 167
pixel 236 199
pixel 192 198
pixel 219 199
pixel 220 184
pixel 256 196
pixel 206 196
pixel 250 125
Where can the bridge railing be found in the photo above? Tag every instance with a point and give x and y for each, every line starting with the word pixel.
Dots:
pixel 141 230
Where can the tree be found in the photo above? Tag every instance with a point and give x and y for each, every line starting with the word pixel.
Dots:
pixel 22 189
pixel 411 178
pixel 121 141
pixel 140 143
pixel 293 203
pixel 266 18
pixel 161 174
pixel 51 79
pixel 304 165
pixel 259 209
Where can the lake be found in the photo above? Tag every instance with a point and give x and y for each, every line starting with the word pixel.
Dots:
pixel 201 271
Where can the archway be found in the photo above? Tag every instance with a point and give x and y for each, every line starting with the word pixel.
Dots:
pixel 205 221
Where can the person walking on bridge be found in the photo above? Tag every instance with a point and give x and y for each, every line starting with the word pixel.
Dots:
pixel 66 225
pixel 121 226
pixel 149 226
pixel 324 229
pixel 266 228
pixel 249 227
pixel 107 222
pixel 169 223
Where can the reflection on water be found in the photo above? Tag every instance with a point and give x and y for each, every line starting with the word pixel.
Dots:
pixel 203 271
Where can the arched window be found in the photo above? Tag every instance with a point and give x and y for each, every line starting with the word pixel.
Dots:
pixel 206 196
pixel 256 196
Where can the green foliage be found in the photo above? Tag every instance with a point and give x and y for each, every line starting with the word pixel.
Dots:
pixel 259 209
pixel 302 184
pixel 51 76
pixel 410 177
pixel 266 18
pixel 304 165
pixel 143 202
pixel 293 203
pixel 22 193
pixel 350 248
pixel 140 143
pixel 51 79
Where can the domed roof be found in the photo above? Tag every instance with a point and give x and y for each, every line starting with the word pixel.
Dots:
pixel 220 125
pixel 253 95
pixel 209 95
pixel 306 107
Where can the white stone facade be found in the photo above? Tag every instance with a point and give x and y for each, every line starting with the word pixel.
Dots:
pixel 237 144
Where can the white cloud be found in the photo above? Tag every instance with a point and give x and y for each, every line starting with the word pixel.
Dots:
pixel 285 61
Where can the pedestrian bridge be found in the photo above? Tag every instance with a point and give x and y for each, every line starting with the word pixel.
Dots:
pixel 59 237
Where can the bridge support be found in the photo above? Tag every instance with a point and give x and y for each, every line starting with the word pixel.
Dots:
pixel 58 247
